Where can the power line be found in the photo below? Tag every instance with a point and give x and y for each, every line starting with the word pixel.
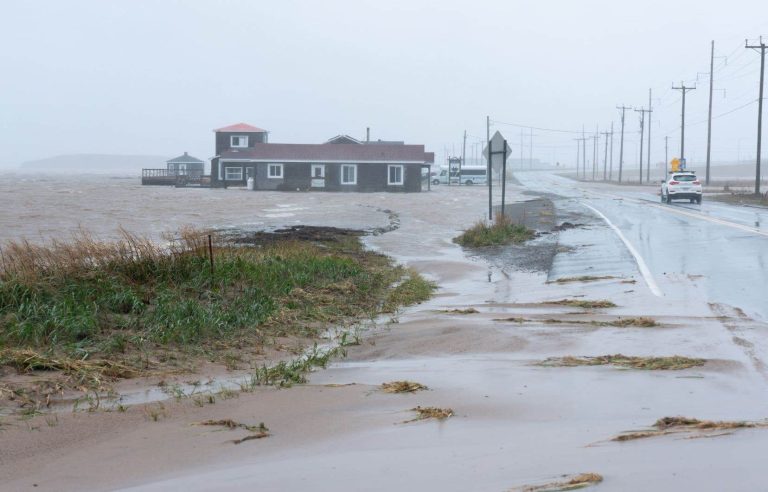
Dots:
pixel 739 74
pixel 730 58
pixel 699 122
pixel 535 127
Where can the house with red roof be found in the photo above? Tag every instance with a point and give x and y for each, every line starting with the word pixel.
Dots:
pixel 343 163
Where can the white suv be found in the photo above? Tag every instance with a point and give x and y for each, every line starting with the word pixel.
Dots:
pixel 680 186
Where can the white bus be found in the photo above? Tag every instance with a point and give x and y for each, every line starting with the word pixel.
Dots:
pixel 474 175
pixel 469 176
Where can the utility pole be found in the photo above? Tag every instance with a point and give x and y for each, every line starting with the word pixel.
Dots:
pixel 666 156
pixel 605 161
pixel 761 47
pixel 595 138
pixel 610 166
pixel 521 148
pixel 709 117
pixel 463 155
pixel 648 166
pixel 578 156
pixel 642 112
pixel 584 154
pixel 684 89
pixel 583 151
pixel 530 151
pixel 621 146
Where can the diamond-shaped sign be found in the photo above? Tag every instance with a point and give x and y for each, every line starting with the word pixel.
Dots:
pixel 497 147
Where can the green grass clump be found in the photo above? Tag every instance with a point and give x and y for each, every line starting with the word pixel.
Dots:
pixel 164 299
pixel 414 289
pixel 287 373
pixel 501 231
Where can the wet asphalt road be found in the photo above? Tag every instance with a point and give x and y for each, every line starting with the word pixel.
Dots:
pixel 711 253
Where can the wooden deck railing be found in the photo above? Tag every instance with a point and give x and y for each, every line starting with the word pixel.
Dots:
pixel 170 178
pixel 157 173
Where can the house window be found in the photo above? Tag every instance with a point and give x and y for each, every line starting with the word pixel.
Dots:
pixel 233 173
pixel 238 141
pixel 394 175
pixel 275 171
pixel 318 171
pixel 348 174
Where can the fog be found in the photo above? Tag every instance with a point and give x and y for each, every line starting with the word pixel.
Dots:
pixel 140 77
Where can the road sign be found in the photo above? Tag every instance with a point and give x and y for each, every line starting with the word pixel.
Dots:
pixel 497 146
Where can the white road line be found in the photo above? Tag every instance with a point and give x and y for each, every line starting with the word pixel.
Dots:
pixel 641 265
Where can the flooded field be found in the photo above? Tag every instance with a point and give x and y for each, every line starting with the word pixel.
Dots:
pixel 40 208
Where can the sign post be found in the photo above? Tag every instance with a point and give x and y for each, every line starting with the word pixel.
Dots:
pixel 503 177
pixel 497 151
pixel 489 153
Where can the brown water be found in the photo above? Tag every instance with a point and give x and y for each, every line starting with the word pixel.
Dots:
pixel 40 208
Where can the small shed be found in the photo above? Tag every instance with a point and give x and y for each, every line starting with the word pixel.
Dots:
pixel 185 165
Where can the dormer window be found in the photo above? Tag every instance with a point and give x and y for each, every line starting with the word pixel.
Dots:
pixel 238 141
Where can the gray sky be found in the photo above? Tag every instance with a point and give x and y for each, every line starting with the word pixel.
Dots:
pixel 155 77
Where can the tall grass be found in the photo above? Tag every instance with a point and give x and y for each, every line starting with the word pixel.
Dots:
pixel 99 296
pixel 501 231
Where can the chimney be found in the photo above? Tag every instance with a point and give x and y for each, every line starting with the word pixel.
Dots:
pixel 368 134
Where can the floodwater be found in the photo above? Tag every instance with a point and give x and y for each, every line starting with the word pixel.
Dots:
pixel 41 208
pixel 515 422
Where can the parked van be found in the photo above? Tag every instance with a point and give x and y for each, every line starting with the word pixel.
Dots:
pixel 474 175
pixel 442 178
